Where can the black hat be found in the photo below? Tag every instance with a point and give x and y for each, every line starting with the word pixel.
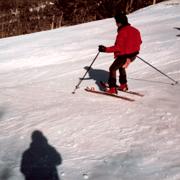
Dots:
pixel 121 18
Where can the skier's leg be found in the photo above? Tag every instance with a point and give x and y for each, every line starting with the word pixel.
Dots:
pixel 122 76
pixel 122 71
pixel 112 72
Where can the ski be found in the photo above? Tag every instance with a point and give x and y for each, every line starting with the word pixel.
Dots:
pixel 92 90
pixel 132 92
pixel 105 85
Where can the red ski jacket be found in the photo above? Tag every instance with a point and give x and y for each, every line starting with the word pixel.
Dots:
pixel 128 41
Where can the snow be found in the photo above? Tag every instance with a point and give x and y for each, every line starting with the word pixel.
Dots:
pixel 98 137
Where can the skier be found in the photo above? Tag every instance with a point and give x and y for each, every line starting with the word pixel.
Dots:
pixel 125 49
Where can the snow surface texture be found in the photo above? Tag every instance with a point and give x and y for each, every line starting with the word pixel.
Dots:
pixel 98 137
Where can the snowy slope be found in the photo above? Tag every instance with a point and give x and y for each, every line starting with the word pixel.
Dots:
pixel 99 138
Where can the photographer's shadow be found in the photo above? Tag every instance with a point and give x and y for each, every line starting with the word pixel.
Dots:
pixel 97 75
pixel 39 161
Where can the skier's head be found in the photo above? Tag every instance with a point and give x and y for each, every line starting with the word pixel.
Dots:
pixel 121 18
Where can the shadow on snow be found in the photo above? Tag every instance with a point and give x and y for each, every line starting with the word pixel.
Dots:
pixel 39 161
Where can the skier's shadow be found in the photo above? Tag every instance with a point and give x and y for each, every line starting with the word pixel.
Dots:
pixel 178 35
pixel 39 161
pixel 97 75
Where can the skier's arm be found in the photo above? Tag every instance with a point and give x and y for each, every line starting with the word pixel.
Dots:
pixel 118 46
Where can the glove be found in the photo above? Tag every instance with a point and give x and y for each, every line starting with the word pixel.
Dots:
pixel 102 48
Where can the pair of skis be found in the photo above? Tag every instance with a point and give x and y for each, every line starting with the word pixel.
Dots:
pixel 105 86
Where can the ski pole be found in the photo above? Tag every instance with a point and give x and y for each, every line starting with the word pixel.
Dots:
pixel 175 82
pixel 80 81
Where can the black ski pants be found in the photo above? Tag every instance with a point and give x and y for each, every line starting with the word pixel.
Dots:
pixel 118 64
